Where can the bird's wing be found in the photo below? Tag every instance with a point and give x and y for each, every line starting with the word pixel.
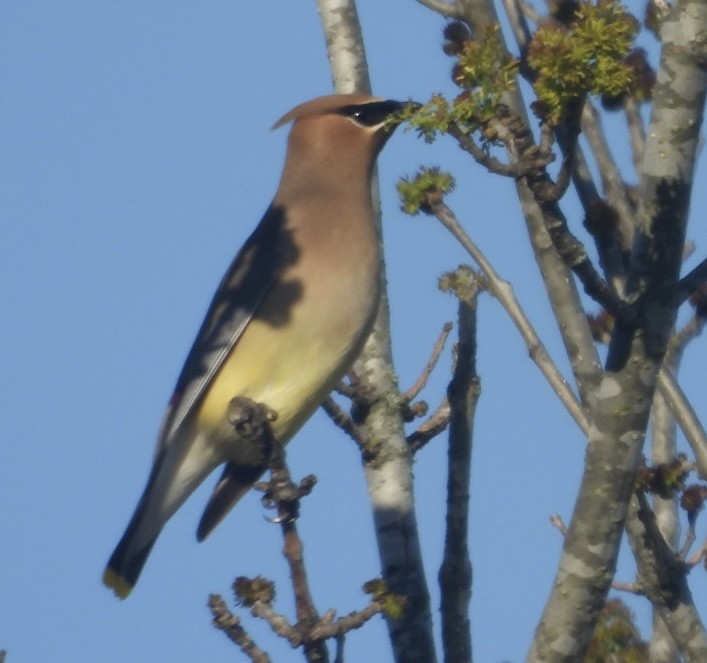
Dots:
pixel 252 274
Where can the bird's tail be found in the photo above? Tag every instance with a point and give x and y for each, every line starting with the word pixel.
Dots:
pixel 125 564
pixel 178 469
pixel 131 553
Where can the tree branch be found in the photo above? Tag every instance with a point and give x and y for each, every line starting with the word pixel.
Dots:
pixel 342 420
pixel 412 392
pixel 226 621
pixel 387 458
pixel 455 574
pixel 620 413
pixel 431 428
pixel 686 417
pixel 662 575
pixel 611 179
pixel 691 281
pixel 636 131
pixel 503 291
pixel 561 288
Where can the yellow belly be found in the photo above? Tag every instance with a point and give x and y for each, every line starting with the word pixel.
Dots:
pixel 289 368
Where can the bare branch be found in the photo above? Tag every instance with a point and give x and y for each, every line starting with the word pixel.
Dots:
pixel 517 12
pixel 612 181
pixel 328 628
pixel 421 381
pixel 628 587
pixel 559 524
pixel 576 258
pixel 284 495
pixel 226 621
pixel 280 625
pixel 699 556
pixel 691 281
pixel 686 417
pixel 342 420
pixel 492 164
pixel 689 539
pixel 431 428
pixel 455 571
pixel 691 330
pixel 636 131
pixel 503 291
pixel 662 576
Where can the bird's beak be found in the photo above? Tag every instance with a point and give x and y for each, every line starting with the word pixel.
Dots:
pixel 397 107
pixel 395 112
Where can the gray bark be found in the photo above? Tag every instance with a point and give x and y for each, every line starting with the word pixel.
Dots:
pixel 387 459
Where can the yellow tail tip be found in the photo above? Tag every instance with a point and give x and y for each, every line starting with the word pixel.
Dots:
pixel 119 585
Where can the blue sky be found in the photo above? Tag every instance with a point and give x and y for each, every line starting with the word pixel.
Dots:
pixel 135 157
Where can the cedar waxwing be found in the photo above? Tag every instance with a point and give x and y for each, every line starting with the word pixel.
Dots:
pixel 286 323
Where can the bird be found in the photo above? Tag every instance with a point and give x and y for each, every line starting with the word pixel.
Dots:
pixel 285 325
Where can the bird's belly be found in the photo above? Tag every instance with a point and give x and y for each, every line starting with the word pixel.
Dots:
pixel 290 368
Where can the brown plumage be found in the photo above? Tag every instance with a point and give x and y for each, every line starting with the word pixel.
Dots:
pixel 286 323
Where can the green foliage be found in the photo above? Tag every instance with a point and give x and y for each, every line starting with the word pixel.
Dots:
pixel 393 605
pixel 462 283
pixel 484 70
pixel 250 590
pixel 417 193
pixel 587 58
pixel 616 637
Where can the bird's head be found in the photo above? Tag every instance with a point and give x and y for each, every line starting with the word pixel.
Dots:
pixel 344 129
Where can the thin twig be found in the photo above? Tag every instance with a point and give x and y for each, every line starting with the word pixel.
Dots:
pixel 612 181
pixel 330 628
pixel 515 170
pixel 431 428
pixel 699 555
pixel 342 420
pixel 421 381
pixel 574 163
pixel 628 587
pixel 637 132
pixel 226 621
pixel 516 13
pixel 691 281
pixel 503 291
pixel 559 524
pixel 683 336
pixel 686 417
pixel 689 539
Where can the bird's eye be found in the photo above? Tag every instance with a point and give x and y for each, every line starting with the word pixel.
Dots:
pixel 371 114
